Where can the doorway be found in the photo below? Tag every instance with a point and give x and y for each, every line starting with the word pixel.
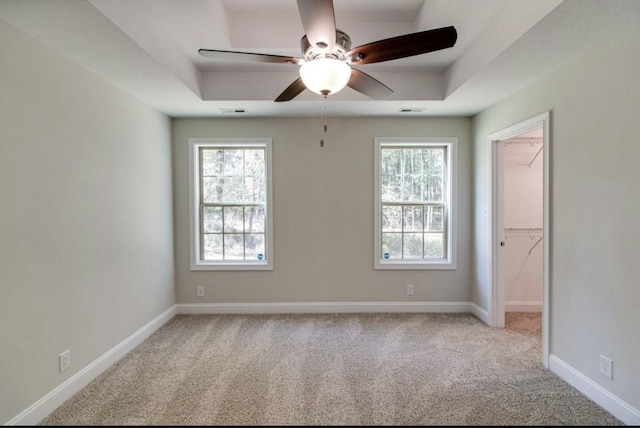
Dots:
pixel 520 223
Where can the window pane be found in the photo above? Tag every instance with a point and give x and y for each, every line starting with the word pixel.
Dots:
pixel 254 163
pixel 254 190
pixel 233 220
pixel 410 161
pixel 412 175
pixel 434 174
pixel 212 189
pixel 407 188
pixel 212 219
pixel 433 160
pixel 434 219
pixel 412 218
pixel 212 247
pixel 233 190
pixel 433 189
pixel 416 189
pixel 391 162
pixel 391 188
pixel 234 247
pixel 233 163
pixel 417 164
pixel 254 219
pixel 212 162
pixel 412 246
pixel 434 245
pixel 392 245
pixel 392 219
pixel 254 246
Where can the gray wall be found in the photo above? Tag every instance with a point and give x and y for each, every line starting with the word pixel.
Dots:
pixel 86 244
pixel 323 214
pixel 594 237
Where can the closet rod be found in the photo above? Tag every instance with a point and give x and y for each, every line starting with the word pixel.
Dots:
pixel 522 140
pixel 522 229
pixel 530 233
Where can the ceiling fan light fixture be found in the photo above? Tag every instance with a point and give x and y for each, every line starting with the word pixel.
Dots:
pixel 325 76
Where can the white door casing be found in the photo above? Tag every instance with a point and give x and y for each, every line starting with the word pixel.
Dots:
pixel 496 304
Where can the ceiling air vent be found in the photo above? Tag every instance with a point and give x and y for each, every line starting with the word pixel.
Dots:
pixel 412 110
pixel 232 110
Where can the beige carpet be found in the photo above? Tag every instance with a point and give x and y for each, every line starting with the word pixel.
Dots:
pixel 342 369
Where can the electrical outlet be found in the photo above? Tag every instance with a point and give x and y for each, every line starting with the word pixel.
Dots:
pixel 65 360
pixel 410 289
pixel 606 366
pixel 200 291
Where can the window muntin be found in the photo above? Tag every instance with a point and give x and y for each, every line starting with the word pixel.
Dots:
pixel 413 203
pixel 232 203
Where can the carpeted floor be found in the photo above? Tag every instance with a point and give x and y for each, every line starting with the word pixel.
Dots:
pixel 333 369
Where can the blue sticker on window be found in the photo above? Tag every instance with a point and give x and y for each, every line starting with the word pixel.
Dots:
pixel 260 257
pixel 386 255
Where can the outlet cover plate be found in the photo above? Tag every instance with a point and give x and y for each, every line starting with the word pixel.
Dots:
pixel 65 360
pixel 606 366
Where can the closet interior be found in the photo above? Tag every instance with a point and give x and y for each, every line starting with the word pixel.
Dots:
pixel 523 222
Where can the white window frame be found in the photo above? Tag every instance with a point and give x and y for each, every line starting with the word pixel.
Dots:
pixel 195 144
pixel 449 262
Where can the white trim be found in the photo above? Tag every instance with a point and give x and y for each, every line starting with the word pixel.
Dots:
pixel 322 307
pixel 496 293
pixel 194 209
pixel 47 404
pixel 480 313
pixel 514 306
pixel 610 402
pixel 452 165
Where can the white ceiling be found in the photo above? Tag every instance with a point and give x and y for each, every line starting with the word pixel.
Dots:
pixel 150 49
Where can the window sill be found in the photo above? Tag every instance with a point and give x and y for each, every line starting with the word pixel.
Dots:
pixel 418 265
pixel 203 266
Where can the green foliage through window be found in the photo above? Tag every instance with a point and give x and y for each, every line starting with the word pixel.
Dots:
pixel 413 202
pixel 233 203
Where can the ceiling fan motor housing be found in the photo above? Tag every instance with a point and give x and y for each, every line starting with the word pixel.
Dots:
pixel 311 52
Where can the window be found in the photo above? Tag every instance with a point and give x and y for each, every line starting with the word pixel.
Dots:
pixel 414 210
pixel 230 189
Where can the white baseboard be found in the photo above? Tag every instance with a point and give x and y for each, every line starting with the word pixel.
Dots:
pixel 618 408
pixel 47 404
pixel 321 307
pixel 481 314
pixel 523 306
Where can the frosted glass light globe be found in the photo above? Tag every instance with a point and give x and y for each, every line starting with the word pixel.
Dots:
pixel 325 76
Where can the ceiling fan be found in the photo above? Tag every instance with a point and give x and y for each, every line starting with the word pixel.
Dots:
pixel 326 66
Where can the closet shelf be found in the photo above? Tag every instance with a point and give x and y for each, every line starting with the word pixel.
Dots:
pixel 522 229
pixel 525 232
pixel 531 141
pixel 524 140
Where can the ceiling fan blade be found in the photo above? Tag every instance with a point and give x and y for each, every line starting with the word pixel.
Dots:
pixel 292 91
pixel 367 85
pixel 404 46
pixel 249 57
pixel 319 22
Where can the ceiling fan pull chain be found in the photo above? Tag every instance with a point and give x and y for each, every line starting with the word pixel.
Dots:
pixel 323 118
